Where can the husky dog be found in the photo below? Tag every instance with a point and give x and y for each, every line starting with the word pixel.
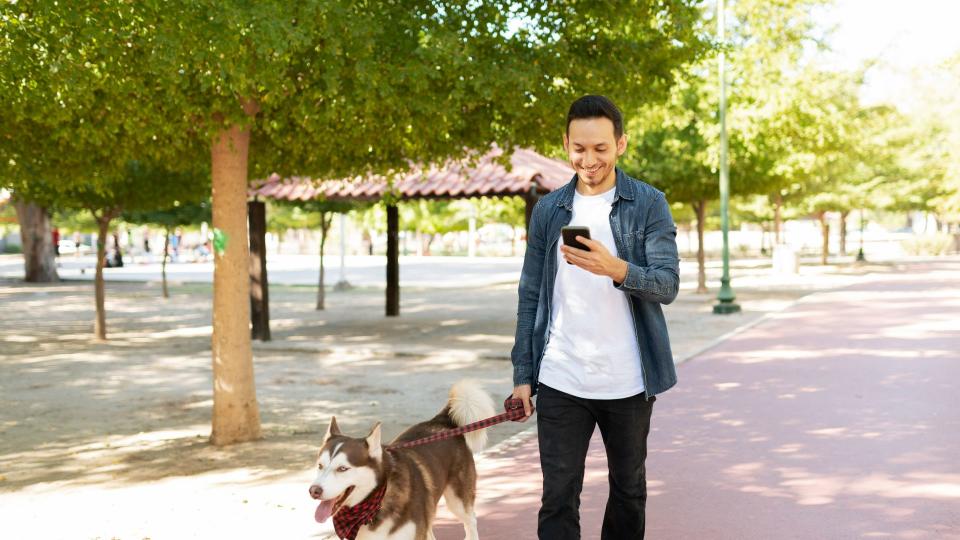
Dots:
pixel 352 472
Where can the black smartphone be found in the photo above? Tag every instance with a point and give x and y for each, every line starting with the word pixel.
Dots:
pixel 570 234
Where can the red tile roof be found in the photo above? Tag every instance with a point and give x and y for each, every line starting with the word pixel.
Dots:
pixel 458 179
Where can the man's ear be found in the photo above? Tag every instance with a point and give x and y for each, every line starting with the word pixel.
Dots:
pixel 373 442
pixel 566 143
pixel 332 430
pixel 621 145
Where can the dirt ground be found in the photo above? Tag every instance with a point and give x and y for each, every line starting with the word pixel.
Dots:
pixel 111 438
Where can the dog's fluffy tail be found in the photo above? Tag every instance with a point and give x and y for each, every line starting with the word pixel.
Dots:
pixel 469 403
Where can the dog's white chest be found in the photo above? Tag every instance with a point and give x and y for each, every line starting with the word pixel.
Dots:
pixel 406 532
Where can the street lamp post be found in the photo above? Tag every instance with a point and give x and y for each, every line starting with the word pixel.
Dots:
pixel 726 297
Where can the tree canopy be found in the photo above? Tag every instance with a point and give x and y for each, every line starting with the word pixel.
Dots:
pixel 339 86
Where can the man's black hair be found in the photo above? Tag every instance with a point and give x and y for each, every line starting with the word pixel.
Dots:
pixel 596 107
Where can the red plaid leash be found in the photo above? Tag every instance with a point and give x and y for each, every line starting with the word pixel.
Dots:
pixel 514 411
pixel 348 520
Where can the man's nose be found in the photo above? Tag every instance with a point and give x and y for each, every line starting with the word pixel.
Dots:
pixel 316 491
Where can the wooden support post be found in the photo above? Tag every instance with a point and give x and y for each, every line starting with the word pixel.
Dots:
pixel 259 293
pixel 530 198
pixel 393 261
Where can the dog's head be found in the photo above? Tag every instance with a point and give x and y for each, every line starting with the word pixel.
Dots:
pixel 348 469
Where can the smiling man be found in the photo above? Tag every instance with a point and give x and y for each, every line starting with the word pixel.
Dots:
pixel 591 339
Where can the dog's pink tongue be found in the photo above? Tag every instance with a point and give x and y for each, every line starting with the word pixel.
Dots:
pixel 323 511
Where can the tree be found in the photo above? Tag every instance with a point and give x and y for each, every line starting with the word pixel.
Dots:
pixel 177 215
pixel 265 86
pixel 852 154
pixel 675 151
pixel 676 143
pixel 140 187
pixel 432 218
pixel 933 156
pixel 507 210
pixel 327 209
pixel 316 213
pixel 770 62
pixel 36 237
pixel 829 167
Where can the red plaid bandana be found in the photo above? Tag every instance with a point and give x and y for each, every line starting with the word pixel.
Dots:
pixel 348 520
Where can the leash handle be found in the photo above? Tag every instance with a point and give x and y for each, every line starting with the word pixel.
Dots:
pixel 512 404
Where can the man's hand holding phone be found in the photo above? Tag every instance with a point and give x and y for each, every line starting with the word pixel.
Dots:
pixel 592 255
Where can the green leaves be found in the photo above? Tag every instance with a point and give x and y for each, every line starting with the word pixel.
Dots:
pixel 343 87
pixel 177 214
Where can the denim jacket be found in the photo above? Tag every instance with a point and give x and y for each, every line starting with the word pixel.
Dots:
pixel 645 237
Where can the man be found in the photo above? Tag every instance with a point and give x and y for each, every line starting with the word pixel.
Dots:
pixel 591 338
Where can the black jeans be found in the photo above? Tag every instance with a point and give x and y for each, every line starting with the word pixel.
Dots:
pixel 565 424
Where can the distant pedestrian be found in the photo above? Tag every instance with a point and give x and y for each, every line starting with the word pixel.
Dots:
pixel 367 242
pixel 591 336
pixel 117 261
pixel 56 242
pixel 175 239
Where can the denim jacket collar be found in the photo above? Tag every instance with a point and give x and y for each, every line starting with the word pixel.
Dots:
pixel 624 189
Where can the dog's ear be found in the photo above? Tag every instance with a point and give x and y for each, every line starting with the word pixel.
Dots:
pixel 373 442
pixel 332 430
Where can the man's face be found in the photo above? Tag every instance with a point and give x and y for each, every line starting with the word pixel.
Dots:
pixel 593 149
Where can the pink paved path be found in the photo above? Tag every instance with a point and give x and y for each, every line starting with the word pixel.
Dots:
pixel 838 418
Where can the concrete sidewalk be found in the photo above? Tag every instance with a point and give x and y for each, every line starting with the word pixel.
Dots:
pixel 837 418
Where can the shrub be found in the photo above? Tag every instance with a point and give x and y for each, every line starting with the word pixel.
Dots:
pixel 929 244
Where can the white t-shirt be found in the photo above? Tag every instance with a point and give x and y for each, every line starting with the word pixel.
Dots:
pixel 592 349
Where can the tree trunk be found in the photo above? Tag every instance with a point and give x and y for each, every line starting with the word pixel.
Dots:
pixel 36 237
pixel 100 323
pixel 777 218
pixel 236 415
pixel 860 254
pixel 825 229
pixel 259 279
pixel 763 238
pixel 117 253
pixel 843 232
pixel 701 208
pixel 426 248
pixel 325 220
pixel 163 265
pixel 393 261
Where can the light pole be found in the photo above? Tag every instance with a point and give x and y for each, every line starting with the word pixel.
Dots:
pixel 342 284
pixel 726 297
